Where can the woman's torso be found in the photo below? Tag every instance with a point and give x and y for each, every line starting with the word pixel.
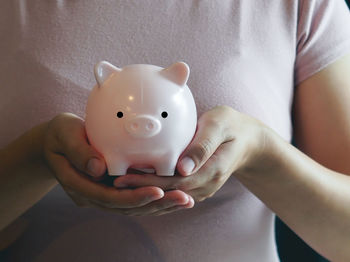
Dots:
pixel 241 54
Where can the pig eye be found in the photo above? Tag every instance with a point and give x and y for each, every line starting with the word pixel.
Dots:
pixel 120 114
pixel 164 114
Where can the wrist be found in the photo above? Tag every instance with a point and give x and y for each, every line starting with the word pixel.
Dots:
pixel 26 149
pixel 34 142
pixel 264 159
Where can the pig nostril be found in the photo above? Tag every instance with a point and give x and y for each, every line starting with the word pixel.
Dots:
pixel 150 126
pixel 134 126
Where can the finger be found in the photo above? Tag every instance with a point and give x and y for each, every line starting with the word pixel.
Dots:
pixel 75 181
pixel 162 208
pixel 170 199
pixel 211 133
pixel 190 204
pixel 165 183
pixel 132 180
pixel 74 144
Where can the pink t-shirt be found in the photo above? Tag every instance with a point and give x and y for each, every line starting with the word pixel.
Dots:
pixel 243 53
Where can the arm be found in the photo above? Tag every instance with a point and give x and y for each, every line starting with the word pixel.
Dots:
pixel 314 200
pixel 312 197
pixel 24 177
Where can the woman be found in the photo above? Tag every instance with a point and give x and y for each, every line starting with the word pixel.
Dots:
pixel 250 62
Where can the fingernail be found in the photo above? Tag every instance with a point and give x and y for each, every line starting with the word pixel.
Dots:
pixel 94 167
pixel 182 201
pixel 154 197
pixel 187 165
pixel 190 203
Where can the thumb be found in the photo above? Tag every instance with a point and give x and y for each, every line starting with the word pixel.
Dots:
pixel 85 158
pixel 205 142
pixel 95 167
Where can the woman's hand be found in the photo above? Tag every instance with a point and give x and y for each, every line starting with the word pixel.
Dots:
pixel 81 171
pixel 226 141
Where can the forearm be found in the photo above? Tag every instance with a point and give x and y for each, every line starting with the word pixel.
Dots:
pixel 313 200
pixel 24 177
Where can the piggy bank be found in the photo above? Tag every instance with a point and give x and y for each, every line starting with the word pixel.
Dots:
pixel 141 116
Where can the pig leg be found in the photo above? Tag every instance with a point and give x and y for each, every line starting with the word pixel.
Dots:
pixel 116 165
pixel 166 166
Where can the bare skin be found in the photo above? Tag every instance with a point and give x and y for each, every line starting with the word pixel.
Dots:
pixel 311 197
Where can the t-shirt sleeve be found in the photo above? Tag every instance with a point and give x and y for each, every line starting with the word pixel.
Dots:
pixel 323 35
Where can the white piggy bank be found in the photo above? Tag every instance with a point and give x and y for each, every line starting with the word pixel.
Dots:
pixel 141 116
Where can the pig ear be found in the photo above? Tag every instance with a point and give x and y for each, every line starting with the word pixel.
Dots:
pixel 103 70
pixel 177 73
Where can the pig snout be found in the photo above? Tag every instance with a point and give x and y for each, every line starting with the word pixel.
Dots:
pixel 143 126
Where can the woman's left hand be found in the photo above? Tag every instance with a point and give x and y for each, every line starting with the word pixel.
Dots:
pixel 225 142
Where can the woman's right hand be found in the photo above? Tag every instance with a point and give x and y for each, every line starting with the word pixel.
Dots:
pixel 81 170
